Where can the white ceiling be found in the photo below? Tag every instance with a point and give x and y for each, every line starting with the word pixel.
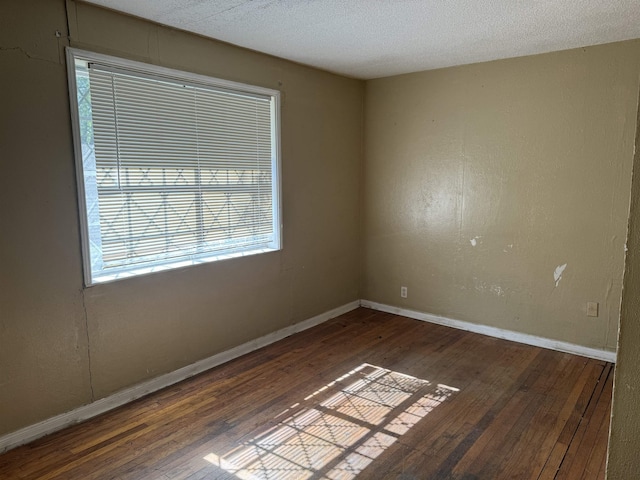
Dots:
pixel 376 38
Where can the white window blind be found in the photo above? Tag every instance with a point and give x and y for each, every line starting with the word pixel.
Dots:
pixel 174 171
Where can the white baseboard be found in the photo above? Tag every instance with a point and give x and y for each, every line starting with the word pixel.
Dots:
pixel 32 432
pixel 496 332
pixel 53 424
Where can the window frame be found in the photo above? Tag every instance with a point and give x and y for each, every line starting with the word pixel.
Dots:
pixel 166 74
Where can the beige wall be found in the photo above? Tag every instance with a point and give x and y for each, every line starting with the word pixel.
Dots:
pixel 481 180
pixel 529 157
pixel 624 441
pixel 62 345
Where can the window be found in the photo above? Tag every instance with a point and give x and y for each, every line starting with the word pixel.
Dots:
pixel 173 168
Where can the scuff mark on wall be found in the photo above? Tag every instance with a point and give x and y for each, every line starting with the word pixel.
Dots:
pixel 474 240
pixel 497 289
pixel 557 274
pixel 481 286
pixel 509 247
pixel 607 295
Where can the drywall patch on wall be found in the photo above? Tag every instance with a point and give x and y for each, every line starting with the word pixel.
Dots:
pixel 557 274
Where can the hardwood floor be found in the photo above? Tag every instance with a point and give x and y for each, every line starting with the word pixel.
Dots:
pixel 367 395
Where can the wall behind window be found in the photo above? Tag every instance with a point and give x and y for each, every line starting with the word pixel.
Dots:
pixel 140 328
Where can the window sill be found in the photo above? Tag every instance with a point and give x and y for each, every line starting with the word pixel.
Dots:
pixel 148 269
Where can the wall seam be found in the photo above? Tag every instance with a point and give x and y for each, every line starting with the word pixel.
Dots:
pixel 72 20
pixel 361 191
pixel 86 331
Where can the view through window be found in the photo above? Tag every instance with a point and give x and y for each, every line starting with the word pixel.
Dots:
pixel 173 168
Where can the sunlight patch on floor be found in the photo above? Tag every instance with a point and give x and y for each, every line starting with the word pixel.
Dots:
pixel 337 431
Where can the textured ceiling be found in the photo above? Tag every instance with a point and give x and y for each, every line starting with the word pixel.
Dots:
pixel 377 38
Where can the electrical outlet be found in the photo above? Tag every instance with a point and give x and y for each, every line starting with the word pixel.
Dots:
pixel 592 309
pixel 403 292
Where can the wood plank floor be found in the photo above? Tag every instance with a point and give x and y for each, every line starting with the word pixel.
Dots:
pixel 367 395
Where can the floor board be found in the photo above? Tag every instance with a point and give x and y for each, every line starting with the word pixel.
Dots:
pixel 367 395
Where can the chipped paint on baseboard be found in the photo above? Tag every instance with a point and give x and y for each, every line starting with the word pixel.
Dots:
pixel 557 274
